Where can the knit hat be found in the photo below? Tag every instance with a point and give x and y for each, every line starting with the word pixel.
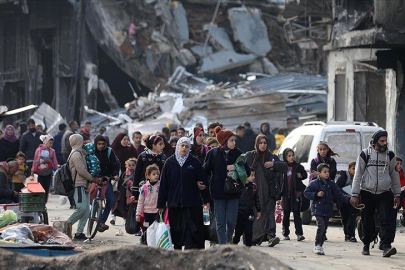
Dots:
pixel 223 134
pixel 378 134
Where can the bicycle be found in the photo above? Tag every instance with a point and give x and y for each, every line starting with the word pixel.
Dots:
pixel 96 210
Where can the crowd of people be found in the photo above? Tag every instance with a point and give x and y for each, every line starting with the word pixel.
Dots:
pixel 237 176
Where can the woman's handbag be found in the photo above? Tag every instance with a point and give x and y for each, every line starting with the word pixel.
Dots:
pixel 232 186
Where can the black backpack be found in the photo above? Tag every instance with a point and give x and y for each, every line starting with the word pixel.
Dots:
pixel 64 184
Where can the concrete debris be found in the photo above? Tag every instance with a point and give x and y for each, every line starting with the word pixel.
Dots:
pixel 225 60
pixel 249 29
pixel 219 38
pixel 180 20
pixel 48 118
pixel 108 97
pixel 199 50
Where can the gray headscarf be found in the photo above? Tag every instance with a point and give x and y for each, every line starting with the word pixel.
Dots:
pixel 181 159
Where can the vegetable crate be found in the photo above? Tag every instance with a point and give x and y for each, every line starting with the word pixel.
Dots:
pixel 32 202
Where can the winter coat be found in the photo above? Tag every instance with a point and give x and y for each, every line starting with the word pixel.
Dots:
pixel 297 187
pixel 29 144
pixel 147 203
pixel 145 159
pixel 108 162
pixel 238 141
pixel 378 175
pixel 40 152
pixel 330 161
pixel 215 166
pixel 8 149
pixel 344 180
pixel 270 174
pixel 77 163
pixel 270 137
pixel 248 200
pixel 23 170
pixel 178 184
pixel 201 154
pixel 57 145
pixel 65 145
pixel 93 164
pixel 5 193
pixel 249 140
pixel 323 206
pixel 85 135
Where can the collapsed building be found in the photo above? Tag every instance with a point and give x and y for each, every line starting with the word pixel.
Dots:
pixel 101 54
pixel 365 62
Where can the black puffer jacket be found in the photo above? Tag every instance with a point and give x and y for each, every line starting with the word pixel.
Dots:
pixel 248 141
pixel 108 164
pixel 248 200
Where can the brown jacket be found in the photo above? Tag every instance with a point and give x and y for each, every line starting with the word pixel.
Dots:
pixel 77 162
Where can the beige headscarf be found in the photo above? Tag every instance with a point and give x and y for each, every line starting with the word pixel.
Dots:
pixel 76 141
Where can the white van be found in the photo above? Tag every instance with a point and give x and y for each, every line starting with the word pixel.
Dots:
pixel 345 139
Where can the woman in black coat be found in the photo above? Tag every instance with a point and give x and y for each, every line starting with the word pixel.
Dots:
pixel 180 193
pixel 292 194
pixel 9 144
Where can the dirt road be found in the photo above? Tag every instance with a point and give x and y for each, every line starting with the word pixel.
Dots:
pixel 297 255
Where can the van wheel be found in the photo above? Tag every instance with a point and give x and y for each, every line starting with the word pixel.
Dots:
pixel 306 217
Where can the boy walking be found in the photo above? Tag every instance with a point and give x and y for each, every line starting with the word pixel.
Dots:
pixel 322 191
pixel 248 200
pixel 347 211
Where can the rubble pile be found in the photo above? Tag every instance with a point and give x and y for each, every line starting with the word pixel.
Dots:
pixel 222 257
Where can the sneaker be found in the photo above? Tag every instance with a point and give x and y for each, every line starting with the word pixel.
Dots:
pixel 389 251
pixel 347 238
pixel 103 227
pixel 366 250
pixel 80 237
pixel 319 250
pixel 73 207
pixel 286 237
pixel 138 233
pixel 300 237
pixel 273 241
pixel 112 221
pixel 353 239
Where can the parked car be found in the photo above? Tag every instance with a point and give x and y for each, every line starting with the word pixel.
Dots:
pixel 346 139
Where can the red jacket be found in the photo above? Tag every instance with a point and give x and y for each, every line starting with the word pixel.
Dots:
pixel 52 156
pixel 402 178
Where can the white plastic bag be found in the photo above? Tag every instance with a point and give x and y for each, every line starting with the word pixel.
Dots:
pixel 63 200
pixel 151 234
pixel 163 238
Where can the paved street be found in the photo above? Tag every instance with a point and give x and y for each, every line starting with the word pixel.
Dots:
pixel 298 255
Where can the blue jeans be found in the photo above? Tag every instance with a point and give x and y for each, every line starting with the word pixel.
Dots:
pixel 226 215
pixel 109 197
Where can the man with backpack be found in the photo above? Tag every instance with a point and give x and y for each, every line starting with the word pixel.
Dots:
pixel 81 178
pixel 375 183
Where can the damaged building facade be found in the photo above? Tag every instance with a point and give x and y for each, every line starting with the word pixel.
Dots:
pixel 365 65
pixel 84 56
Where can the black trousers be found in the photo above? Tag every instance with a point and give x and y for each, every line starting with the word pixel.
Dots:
pixel 383 203
pixel 297 217
pixel 322 223
pixel 348 218
pixel 244 226
pixel 45 182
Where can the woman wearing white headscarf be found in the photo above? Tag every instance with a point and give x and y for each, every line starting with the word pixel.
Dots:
pixel 45 156
pixel 179 192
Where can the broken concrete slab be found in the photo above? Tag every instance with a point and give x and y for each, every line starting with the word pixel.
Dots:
pixel 249 30
pixel 219 38
pixel 199 50
pixel 179 14
pixel 108 96
pixel 225 60
pixel 186 57
pixel 269 67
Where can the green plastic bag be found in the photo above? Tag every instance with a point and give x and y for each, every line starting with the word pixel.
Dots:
pixel 7 217
pixel 240 168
